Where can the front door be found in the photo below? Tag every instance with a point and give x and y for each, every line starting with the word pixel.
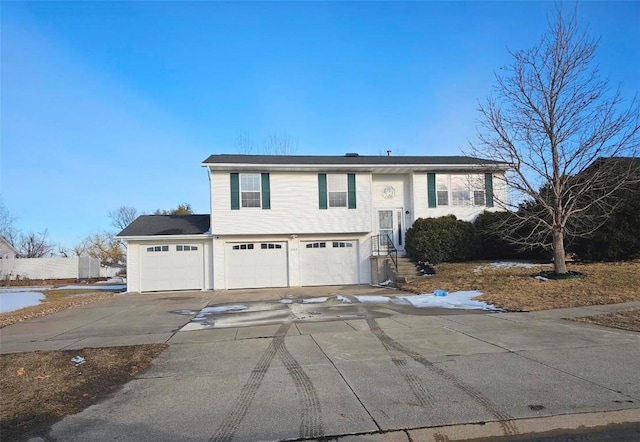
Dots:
pixel 390 223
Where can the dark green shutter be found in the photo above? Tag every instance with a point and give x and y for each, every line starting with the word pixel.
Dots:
pixel 235 191
pixel 322 190
pixel 351 190
pixel 266 192
pixel 431 190
pixel 488 189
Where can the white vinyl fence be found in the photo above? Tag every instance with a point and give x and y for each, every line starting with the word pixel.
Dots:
pixel 50 268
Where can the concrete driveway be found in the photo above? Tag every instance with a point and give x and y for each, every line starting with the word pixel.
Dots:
pixel 387 374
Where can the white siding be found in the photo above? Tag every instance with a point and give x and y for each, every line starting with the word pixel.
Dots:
pixel 294 208
pixel 133 267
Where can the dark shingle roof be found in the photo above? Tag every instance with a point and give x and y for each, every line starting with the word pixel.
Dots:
pixel 151 225
pixel 346 160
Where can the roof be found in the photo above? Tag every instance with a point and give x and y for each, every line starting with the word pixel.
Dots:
pixel 349 159
pixel 152 225
pixel 8 245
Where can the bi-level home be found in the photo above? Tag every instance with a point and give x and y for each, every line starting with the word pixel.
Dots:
pixel 279 221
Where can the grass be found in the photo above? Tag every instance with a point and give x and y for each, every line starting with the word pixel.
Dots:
pixel 515 289
pixel 55 301
pixel 625 320
pixel 40 388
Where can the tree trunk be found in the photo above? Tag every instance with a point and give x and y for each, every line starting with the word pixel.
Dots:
pixel 559 264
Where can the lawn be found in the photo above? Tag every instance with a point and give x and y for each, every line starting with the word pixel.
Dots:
pixel 40 388
pixel 515 288
pixel 55 301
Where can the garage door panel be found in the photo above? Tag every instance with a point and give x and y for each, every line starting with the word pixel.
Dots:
pixel 172 269
pixel 329 262
pixel 256 265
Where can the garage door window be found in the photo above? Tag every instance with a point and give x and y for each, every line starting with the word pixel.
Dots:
pixel 340 244
pixel 183 248
pixel 243 247
pixel 316 245
pixel 158 249
pixel 270 246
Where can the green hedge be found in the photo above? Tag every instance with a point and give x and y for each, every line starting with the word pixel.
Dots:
pixel 436 240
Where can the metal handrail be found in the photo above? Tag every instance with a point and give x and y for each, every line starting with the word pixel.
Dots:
pixel 383 245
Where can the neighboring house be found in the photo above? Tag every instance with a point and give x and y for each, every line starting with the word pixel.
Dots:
pixel 7 251
pixel 279 221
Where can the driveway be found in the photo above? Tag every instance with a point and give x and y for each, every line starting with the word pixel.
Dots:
pixel 378 373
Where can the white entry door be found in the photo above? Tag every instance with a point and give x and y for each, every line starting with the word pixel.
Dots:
pixel 391 224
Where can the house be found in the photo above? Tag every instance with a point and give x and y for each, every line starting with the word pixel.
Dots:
pixel 279 221
pixel 7 251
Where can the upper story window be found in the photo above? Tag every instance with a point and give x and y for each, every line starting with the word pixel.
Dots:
pixel 337 190
pixel 460 190
pixel 250 190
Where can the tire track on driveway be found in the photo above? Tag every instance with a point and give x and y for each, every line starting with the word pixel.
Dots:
pixel 505 420
pixel 311 421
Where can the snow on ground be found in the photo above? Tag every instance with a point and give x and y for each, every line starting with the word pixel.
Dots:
pixel 22 289
pixel 92 287
pixel 508 265
pixel 11 301
pixel 286 301
pixel 343 299
pixel 456 300
pixel 373 299
pixel 315 300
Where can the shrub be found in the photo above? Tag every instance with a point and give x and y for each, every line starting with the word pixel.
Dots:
pixel 437 240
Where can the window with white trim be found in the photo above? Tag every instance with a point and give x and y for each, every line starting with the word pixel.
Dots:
pixel 341 244
pixel 337 190
pixel 243 247
pixel 316 245
pixel 250 187
pixel 270 246
pixel 442 189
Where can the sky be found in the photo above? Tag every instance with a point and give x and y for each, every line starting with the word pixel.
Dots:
pixel 109 104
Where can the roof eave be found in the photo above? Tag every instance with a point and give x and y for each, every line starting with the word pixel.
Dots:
pixel 355 167
pixel 166 237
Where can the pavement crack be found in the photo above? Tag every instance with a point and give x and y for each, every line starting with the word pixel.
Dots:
pixel 347 384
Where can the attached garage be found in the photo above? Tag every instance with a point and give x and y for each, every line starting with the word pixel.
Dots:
pixel 329 262
pixel 171 267
pixel 256 265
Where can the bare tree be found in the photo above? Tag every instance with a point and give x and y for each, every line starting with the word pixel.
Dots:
pixel 35 245
pixel 245 144
pixel 552 117
pixel 7 225
pixel 279 144
pixel 122 216
pixel 106 247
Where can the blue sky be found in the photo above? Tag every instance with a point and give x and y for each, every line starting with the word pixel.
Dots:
pixel 105 104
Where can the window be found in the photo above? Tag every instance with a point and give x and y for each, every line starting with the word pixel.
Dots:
pixel 337 190
pixel 270 246
pixel 316 245
pixel 459 190
pixel 442 190
pixel 158 249
pixel 340 244
pixel 243 247
pixel 250 190
pixel 183 248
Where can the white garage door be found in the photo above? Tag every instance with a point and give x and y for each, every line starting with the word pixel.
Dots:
pixel 256 265
pixel 329 262
pixel 171 267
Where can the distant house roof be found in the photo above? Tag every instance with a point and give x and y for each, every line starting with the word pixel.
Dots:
pixel 348 159
pixel 152 225
pixel 7 246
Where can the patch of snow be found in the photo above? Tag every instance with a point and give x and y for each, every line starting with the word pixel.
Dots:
pixel 385 283
pixel 541 278
pixel 112 281
pixel 11 301
pixel 92 287
pixel 315 300
pixel 373 299
pixel 23 289
pixel 286 301
pixel 511 264
pixel 78 360
pixel 343 299
pixel 456 300
pixel 222 309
